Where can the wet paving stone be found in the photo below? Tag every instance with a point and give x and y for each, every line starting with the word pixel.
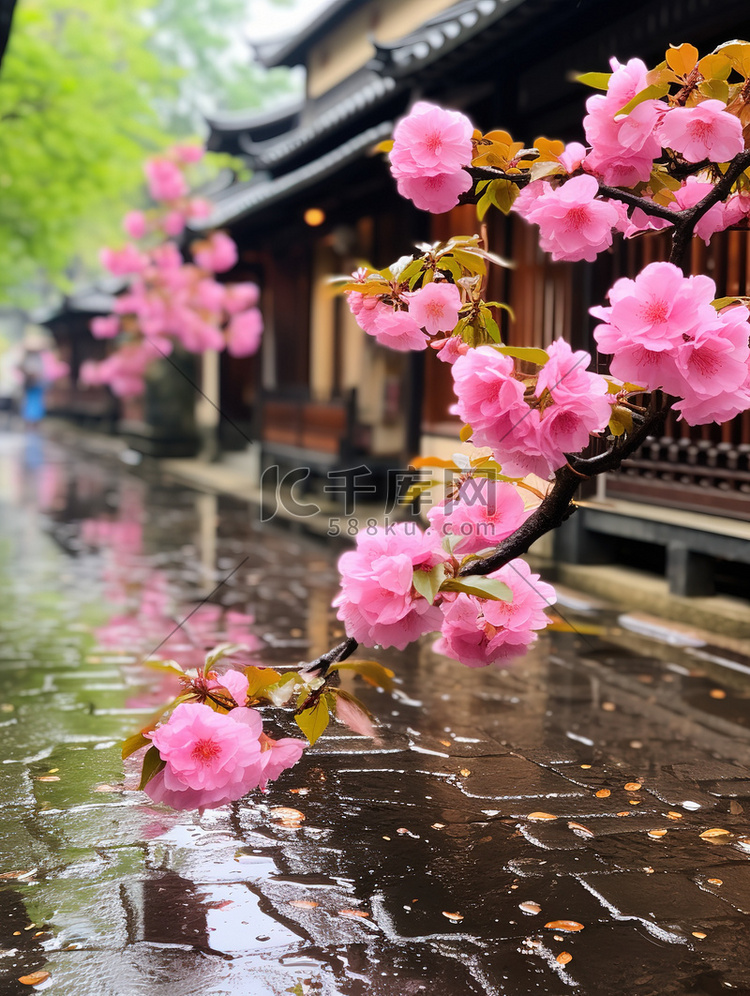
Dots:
pixel 497 807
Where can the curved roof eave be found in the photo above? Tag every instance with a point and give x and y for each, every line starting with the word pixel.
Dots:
pixel 246 199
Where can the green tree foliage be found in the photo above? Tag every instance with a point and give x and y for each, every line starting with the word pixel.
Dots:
pixel 88 89
pixel 76 114
pixel 206 39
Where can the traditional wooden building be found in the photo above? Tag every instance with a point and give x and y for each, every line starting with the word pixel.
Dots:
pixel 319 201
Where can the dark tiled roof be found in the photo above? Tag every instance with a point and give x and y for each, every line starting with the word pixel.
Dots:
pixel 243 199
pixel 444 33
pixel 262 124
pixel 291 51
pixel 364 94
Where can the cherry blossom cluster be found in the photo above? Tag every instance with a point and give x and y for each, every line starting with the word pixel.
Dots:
pixel 664 333
pixel 434 148
pixel 214 757
pixel 382 601
pixel 169 301
pixel 531 422
pixel 430 148
pixel 404 319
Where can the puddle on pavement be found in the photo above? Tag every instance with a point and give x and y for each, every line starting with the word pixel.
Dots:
pixel 540 830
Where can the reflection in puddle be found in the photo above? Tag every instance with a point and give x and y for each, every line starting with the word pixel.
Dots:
pixel 409 870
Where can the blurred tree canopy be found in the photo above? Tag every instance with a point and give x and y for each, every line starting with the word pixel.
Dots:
pixel 88 88
pixel 204 38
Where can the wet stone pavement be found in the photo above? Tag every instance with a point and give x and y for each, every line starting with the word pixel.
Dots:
pixel 579 824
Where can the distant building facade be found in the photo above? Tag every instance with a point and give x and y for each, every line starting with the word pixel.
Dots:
pixel 319 201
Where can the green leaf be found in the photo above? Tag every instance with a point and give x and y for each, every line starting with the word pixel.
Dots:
pixel 650 93
pixel 412 269
pixel 466 433
pixel 427 583
pixel 162 665
pixel 483 205
pixel 529 353
pixel 152 765
pixel 621 421
pixel 539 170
pixel 134 743
pixel 597 81
pixel 260 679
pixel 481 587
pixel 470 261
pixel 222 650
pixel 715 90
pixel 493 330
pixel 313 721
pixel 283 689
pixel 503 193
pixel 724 302
pixel 452 266
pixel 416 490
pixel 372 672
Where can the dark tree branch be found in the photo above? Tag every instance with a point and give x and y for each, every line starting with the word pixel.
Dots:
pixel 689 218
pixel 339 653
pixel 633 200
pixel 558 505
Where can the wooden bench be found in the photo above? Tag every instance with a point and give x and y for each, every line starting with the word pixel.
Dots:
pixel 319 436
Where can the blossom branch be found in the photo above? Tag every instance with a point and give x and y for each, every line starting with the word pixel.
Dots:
pixel 686 220
pixel 633 200
pixel 556 506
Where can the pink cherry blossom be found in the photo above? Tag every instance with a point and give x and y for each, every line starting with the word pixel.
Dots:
pixel 704 131
pixel 664 333
pixel 233 681
pixel 648 320
pixel 573 223
pixel 211 758
pixel 572 156
pixel 378 602
pixel 104 326
pixel 123 262
pixel 529 196
pixel 89 374
pixel 167 256
pixel 209 295
pixel 165 180
pixel 189 153
pixel 198 207
pixel 173 223
pixel 367 310
pixel 244 333
pixel 435 307
pixel 478 631
pixel 714 220
pixel 218 253
pixel 398 330
pixel 482 514
pixel 240 297
pixel 278 755
pixel 429 141
pixel 437 193
pixel 490 399
pixel 448 350
pixel 700 409
pixel 134 224
pixel 623 147
pixel 530 434
pixel 634 222
pixel 53 368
